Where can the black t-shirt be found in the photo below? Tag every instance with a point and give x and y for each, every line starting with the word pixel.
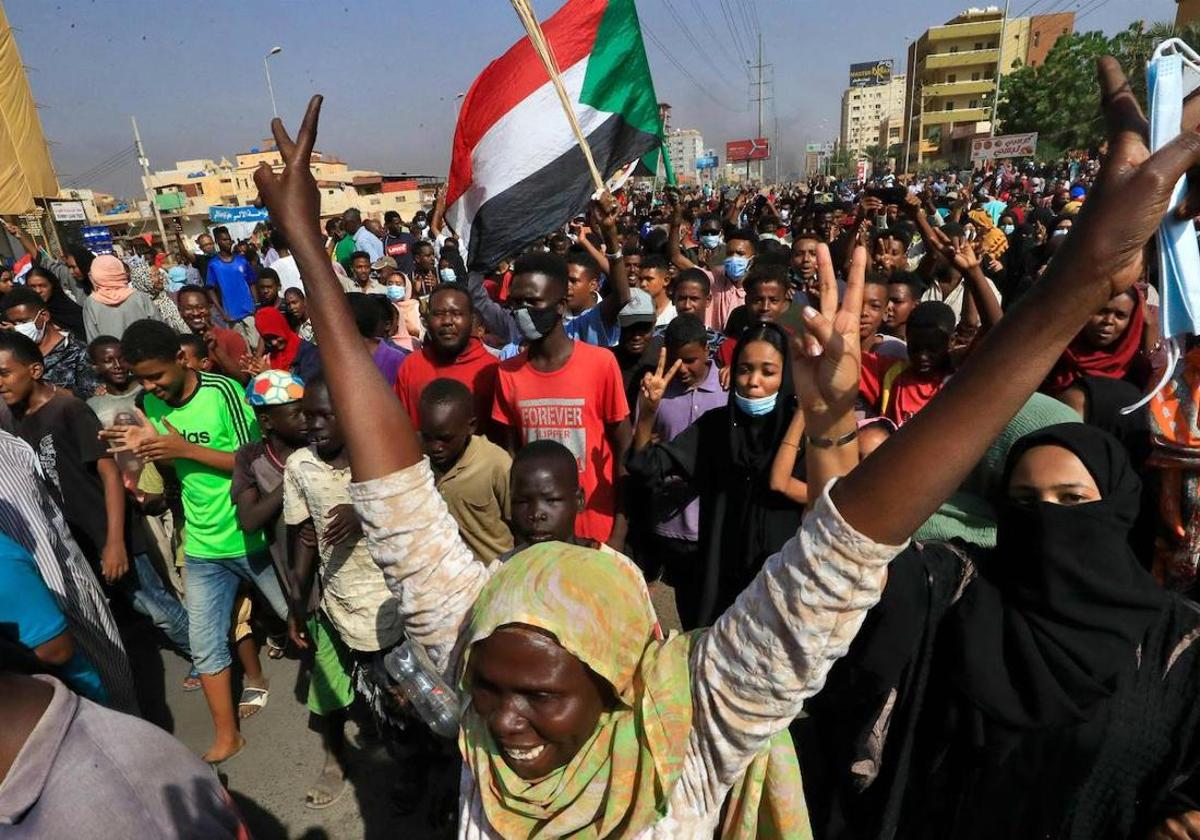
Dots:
pixel 400 248
pixel 65 435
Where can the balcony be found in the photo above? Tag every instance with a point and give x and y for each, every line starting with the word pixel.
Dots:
pixel 980 29
pixel 962 58
pixel 958 115
pixel 964 88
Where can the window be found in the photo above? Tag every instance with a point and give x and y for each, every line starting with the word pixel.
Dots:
pixel 954 49
pixel 951 77
pixel 975 76
pixel 949 105
pixel 979 45
pixel 974 103
pixel 1037 38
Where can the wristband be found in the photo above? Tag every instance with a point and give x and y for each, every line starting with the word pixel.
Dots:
pixel 618 255
pixel 830 443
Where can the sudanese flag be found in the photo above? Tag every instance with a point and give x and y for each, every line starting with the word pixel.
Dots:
pixel 517 172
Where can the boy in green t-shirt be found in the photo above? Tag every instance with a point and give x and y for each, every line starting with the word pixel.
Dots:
pixel 197 421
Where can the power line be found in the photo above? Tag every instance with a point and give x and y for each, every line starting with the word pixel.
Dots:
pixel 1095 7
pixel 684 71
pixel 743 56
pixel 1028 8
pixel 107 160
pixel 687 33
pixel 712 35
pixel 113 164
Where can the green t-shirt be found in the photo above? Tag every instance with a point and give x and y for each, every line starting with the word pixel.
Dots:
pixel 217 416
pixel 343 250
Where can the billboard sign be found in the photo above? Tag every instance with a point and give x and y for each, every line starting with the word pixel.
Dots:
pixel 227 215
pixel 708 161
pixel 869 73
pixel 1004 146
pixel 737 151
pixel 68 211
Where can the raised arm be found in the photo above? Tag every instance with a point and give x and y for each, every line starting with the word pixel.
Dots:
pixel 674 252
pixel 409 531
pixel 604 213
pixel 1120 216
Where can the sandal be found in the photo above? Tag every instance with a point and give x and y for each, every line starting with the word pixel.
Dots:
pixel 254 699
pixel 322 794
pixel 275 649
pixel 192 681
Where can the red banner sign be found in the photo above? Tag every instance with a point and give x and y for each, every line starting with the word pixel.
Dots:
pixel 742 150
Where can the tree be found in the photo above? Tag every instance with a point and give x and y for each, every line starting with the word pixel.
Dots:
pixel 874 155
pixel 1060 99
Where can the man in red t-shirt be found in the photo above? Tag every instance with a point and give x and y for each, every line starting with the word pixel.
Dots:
pixel 898 388
pixel 449 352
pixel 566 391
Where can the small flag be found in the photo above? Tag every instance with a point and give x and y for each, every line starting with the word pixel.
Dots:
pixel 517 172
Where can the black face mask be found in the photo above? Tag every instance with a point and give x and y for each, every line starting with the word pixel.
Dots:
pixel 536 324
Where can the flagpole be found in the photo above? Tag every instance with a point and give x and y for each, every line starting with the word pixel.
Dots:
pixel 542 48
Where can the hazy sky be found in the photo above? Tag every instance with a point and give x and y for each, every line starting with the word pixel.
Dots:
pixel 192 71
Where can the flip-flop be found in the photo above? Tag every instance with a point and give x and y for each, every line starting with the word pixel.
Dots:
pixel 256 698
pixel 313 806
pixel 274 649
pixel 192 681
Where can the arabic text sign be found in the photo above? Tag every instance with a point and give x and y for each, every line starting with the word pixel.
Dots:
pixel 225 215
pixel 1004 146
pixel 737 151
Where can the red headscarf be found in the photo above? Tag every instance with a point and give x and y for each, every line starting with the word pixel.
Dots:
pixel 270 321
pixel 1080 360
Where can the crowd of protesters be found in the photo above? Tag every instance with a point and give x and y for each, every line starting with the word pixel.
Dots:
pixel 931 579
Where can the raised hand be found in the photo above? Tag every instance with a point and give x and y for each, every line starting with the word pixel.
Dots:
pixel 825 366
pixel 964 256
pixel 603 213
pixel 654 385
pixel 1133 187
pixel 291 195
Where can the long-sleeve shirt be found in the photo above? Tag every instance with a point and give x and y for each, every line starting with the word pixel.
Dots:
pixel 750 673
pixel 103 319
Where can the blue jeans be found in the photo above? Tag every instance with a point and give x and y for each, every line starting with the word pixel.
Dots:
pixel 211 587
pixel 150 598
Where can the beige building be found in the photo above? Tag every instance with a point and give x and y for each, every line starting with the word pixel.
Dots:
pixel 685 145
pixel 952 72
pixel 873 115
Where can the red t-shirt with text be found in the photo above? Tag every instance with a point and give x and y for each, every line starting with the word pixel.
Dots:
pixel 573 405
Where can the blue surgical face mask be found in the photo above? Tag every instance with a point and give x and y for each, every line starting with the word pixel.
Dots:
pixel 736 266
pixel 755 406
pixel 710 240
pixel 448 275
pixel 396 292
pixel 1008 229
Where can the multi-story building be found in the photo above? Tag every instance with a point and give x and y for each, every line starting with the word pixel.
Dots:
pixel 952 72
pixel 873 115
pixel 684 145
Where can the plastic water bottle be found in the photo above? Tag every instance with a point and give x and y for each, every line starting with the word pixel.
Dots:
pixel 128 463
pixel 415 675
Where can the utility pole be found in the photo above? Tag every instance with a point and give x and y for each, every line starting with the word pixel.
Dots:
pixel 145 162
pixel 760 85
pixel 999 70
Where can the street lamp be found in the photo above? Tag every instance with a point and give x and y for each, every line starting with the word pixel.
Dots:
pixel 267 68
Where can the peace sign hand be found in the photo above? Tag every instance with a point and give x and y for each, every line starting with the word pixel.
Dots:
pixel 826 363
pixel 654 385
pixel 291 195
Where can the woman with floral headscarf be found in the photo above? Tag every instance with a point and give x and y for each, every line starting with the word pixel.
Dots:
pixel 152 283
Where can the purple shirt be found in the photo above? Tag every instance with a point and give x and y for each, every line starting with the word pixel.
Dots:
pixel 387 358
pixel 679 409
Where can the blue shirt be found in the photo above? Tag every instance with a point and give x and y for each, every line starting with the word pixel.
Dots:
pixel 589 327
pixel 995 209
pixel 29 613
pixel 233 278
pixel 364 240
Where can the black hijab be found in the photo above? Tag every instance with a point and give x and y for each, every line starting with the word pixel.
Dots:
pixel 1062 605
pixel 753 441
pixel 66 314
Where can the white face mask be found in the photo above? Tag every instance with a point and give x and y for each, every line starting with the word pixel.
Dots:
pixel 31 330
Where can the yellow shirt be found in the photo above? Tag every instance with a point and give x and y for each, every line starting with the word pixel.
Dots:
pixel 476 492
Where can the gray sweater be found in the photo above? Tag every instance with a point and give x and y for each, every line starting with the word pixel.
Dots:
pixel 102 319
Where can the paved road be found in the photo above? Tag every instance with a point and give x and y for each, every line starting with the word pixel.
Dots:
pixel 282 756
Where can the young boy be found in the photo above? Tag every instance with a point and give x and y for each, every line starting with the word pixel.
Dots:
pixel 195 353
pixel 120 391
pixel 898 389
pixel 654 279
pixel 85 478
pixel 267 287
pixel 637 347
pixel 197 422
pixel 691 295
pixel 469 470
pixel 904 293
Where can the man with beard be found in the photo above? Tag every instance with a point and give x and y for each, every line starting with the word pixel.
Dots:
pixel 449 352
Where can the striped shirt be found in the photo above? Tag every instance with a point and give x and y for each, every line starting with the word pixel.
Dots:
pixel 217 416
pixel 29 516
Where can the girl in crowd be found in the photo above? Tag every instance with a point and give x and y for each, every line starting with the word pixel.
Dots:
pixel 297 313
pixel 64 312
pixel 282 347
pixel 409 329
pixel 1110 346
pixel 725 459
pixel 577 720
pixel 114 304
